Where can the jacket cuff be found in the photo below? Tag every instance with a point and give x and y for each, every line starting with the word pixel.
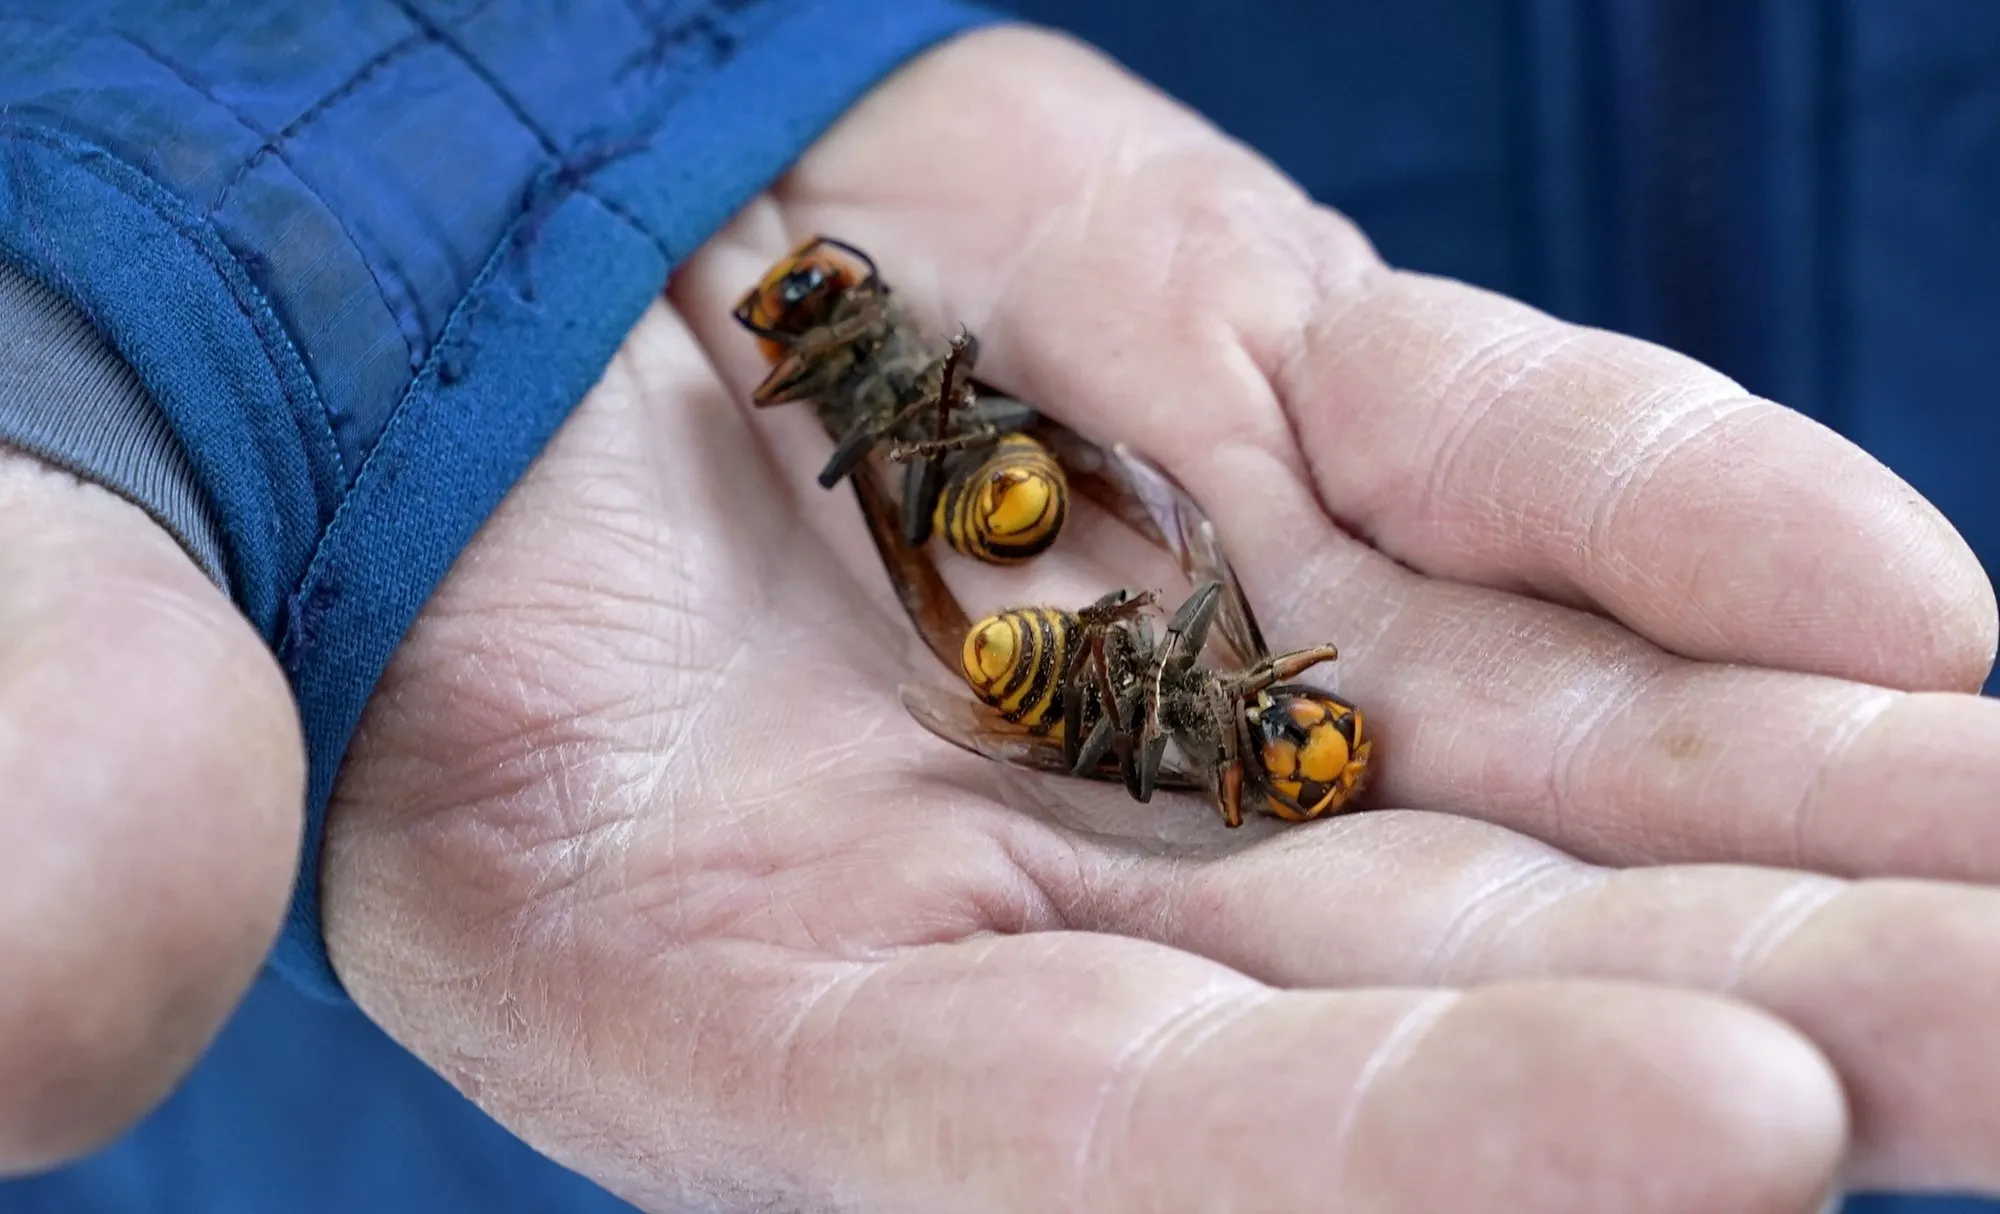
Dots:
pixel 367 268
pixel 68 399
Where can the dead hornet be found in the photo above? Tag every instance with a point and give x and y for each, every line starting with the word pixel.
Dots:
pixel 1091 693
pixel 835 336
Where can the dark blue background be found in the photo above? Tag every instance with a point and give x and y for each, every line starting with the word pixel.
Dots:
pixel 1801 193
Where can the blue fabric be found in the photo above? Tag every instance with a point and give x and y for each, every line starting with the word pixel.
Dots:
pixel 367 254
pixel 304 1107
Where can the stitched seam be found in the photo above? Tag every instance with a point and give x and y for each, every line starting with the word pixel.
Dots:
pixel 664 40
pixel 724 48
pixel 187 226
pixel 66 144
pixel 272 143
pixel 362 75
pixel 411 323
pixel 298 633
pixel 418 398
pixel 554 185
pixel 544 196
pixel 435 33
pixel 181 74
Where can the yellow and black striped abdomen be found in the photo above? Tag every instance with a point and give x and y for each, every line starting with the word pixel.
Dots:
pixel 1014 662
pixel 1008 507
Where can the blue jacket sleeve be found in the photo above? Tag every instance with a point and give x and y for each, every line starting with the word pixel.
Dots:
pixel 366 255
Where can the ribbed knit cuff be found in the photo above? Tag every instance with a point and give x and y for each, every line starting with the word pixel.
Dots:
pixel 68 398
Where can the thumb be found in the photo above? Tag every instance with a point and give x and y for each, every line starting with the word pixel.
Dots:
pixel 151 773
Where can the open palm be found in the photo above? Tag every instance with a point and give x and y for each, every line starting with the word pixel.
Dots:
pixel 638 847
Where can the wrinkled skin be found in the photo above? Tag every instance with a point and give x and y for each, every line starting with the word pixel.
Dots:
pixel 638 848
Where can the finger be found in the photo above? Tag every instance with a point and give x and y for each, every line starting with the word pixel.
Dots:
pixel 1588 467
pixel 1550 721
pixel 1141 278
pixel 152 770
pixel 1898 982
pixel 530 887
pixel 1567 728
pixel 1064 1072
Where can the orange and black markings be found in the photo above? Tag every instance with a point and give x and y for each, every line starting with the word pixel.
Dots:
pixel 1312 749
pixel 797 294
pixel 1015 662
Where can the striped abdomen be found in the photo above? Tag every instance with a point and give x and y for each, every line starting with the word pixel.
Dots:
pixel 1014 662
pixel 1008 507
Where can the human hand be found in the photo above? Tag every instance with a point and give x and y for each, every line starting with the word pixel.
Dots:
pixel 638 848
pixel 151 772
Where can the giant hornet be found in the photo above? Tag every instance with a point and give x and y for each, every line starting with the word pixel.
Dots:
pixel 1092 694
pixel 835 336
